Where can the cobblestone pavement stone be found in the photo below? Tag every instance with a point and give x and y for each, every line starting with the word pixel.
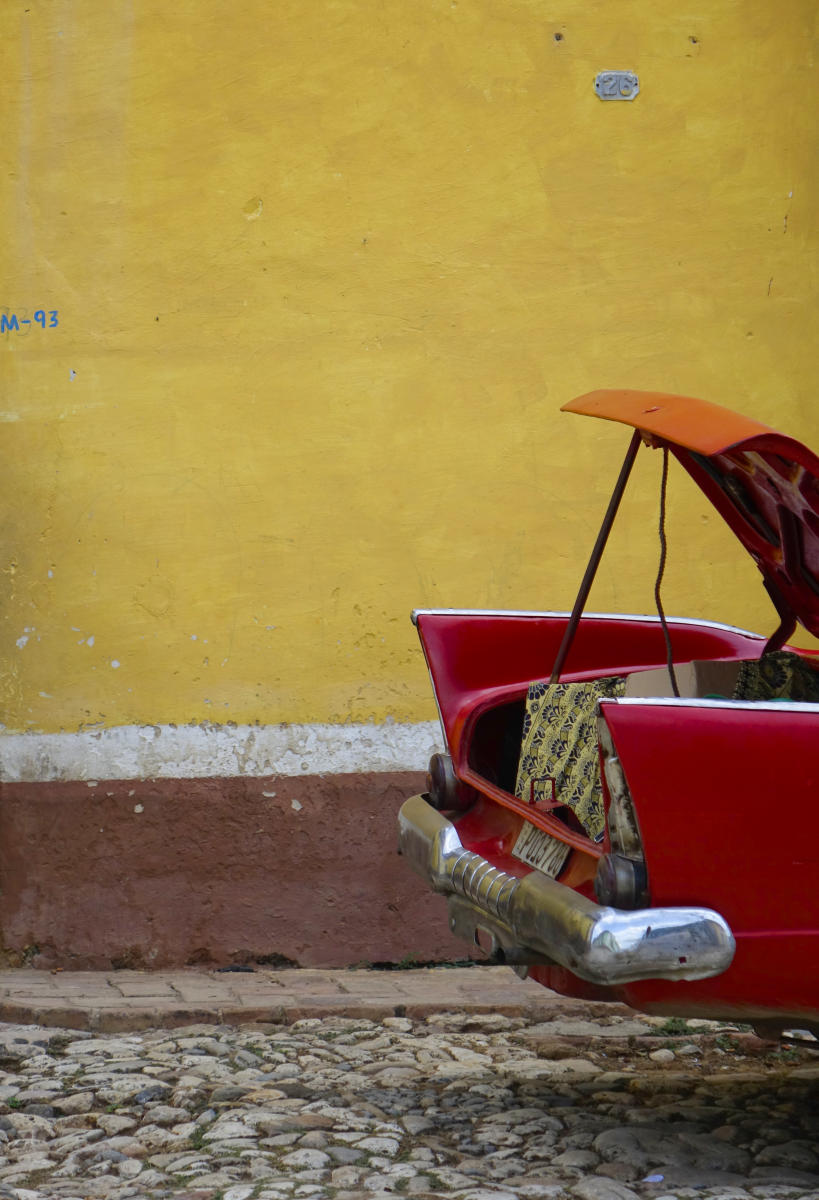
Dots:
pixel 599 1105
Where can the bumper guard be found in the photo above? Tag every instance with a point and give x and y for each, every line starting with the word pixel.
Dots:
pixel 537 919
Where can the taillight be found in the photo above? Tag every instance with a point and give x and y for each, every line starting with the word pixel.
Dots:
pixel 444 790
pixel 621 879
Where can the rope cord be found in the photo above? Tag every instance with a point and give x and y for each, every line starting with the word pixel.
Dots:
pixel 661 571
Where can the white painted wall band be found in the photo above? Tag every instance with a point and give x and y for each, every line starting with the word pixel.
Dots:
pixel 205 751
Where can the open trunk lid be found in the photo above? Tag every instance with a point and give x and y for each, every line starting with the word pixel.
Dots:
pixel 765 485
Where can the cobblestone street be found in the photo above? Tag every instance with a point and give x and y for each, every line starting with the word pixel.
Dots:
pixel 596 1104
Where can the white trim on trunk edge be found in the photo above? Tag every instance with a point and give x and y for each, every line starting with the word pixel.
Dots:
pixel 205 751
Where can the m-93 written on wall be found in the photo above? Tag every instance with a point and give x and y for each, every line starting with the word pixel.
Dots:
pixel 21 322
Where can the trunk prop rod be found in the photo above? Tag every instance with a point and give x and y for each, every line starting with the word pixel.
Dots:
pixel 596 555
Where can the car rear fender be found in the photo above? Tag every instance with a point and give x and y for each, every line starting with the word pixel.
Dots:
pixel 479 658
pixel 726 795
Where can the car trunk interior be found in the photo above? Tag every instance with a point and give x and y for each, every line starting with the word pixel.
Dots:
pixel 497 747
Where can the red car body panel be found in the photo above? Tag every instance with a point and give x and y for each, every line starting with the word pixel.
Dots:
pixel 726 797
pixel 479 659
pixel 746 777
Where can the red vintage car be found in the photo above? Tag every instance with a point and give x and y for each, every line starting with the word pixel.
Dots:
pixel 628 806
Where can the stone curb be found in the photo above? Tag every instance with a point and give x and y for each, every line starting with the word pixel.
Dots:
pixel 118 1001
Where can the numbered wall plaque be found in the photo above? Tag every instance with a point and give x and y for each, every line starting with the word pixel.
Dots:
pixel 617 85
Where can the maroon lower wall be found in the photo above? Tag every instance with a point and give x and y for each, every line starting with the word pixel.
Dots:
pixel 213 871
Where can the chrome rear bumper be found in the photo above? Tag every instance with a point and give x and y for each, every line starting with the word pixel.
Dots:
pixel 537 919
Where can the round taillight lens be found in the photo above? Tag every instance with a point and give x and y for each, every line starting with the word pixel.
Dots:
pixel 444 789
pixel 620 882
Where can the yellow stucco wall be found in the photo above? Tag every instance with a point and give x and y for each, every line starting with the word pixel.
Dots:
pixel 323 274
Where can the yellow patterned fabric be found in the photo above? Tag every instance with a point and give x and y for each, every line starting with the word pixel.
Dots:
pixel 558 759
pixel 782 675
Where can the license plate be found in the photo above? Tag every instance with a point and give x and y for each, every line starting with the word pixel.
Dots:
pixel 539 849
